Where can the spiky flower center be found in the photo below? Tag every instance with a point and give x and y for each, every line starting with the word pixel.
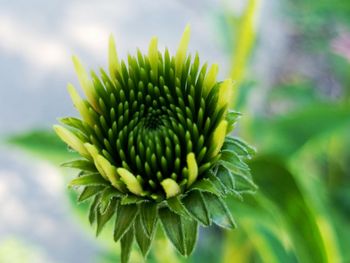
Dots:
pixel 154 139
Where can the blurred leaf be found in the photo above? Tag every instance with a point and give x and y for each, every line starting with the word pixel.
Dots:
pixel 44 144
pixel 287 134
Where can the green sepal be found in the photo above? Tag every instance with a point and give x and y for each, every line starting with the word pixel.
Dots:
pixel 231 158
pixel 216 182
pixel 80 164
pixel 218 210
pixel 191 235
pixel 93 208
pixel 73 122
pixel 205 185
pixel 143 240
pixel 132 199
pixel 126 245
pixel 177 207
pixel 125 218
pixel 196 205
pixel 89 180
pixel 89 191
pixel 245 184
pixel 226 178
pixel 239 147
pixel 107 195
pixel 102 217
pixel 149 216
pixel 181 232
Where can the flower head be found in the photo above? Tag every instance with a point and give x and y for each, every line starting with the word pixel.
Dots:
pixel 155 146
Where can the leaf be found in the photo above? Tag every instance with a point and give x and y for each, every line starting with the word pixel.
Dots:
pixel 126 245
pixel 132 199
pixel 73 122
pixel 226 178
pixel 195 204
pixel 285 135
pixel 176 206
pixel 173 228
pixel 89 180
pixel 216 182
pixel 104 216
pixel 149 215
pixel 239 147
pixel 143 240
pixel 125 217
pixel 107 195
pixel 181 232
pixel 233 159
pixel 80 164
pixel 93 208
pixel 204 185
pixel 218 210
pixel 89 192
pixel 190 228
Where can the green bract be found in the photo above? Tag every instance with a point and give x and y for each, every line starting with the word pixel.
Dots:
pixel 153 137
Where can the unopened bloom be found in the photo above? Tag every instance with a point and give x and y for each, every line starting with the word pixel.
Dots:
pixel 153 135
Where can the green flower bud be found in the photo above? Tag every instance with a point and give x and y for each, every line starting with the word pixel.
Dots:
pixel 155 146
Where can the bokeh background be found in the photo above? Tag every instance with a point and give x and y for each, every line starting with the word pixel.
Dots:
pixel 290 60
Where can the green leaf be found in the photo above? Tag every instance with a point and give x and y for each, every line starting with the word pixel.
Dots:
pixel 80 164
pixel 205 185
pixel 126 245
pixel 173 228
pixel 107 195
pixel 181 232
pixel 239 147
pixel 89 192
pixel 132 199
pixel 232 117
pixel 176 206
pixel 93 208
pixel 195 204
pixel 149 215
pixel 216 182
pixel 104 216
pixel 190 228
pixel 125 218
pixel 73 122
pixel 89 180
pixel 226 178
pixel 233 159
pixel 218 210
pixel 143 240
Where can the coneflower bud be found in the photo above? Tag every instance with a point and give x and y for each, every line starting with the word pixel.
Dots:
pixel 155 146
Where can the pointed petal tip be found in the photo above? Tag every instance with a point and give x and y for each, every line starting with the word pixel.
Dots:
pixel 171 187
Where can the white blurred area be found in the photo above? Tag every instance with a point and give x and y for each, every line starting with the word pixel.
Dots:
pixel 38 38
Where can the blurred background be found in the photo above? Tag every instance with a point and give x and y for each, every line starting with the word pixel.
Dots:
pixel 290 60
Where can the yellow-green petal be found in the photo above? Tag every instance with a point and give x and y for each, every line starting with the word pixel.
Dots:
pixel 153 55
pixel 94 154
pixel 86 83
pixel 225 93
pixel 130 181
pixel 71 139
pixel 182 50
pixel 218 137
pixel 113 59
pixel 171 187
pixel 109 170
pixel 210 79
pixel 192 168
pixel 79 104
